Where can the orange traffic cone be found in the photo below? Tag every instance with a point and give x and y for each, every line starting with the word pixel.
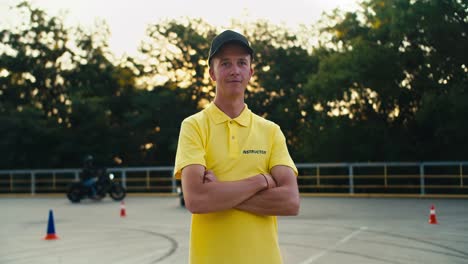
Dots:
pixel 51 228
pixel 432 216
pixel 122 209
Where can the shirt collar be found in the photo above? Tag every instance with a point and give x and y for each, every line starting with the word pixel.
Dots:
pixel 219 116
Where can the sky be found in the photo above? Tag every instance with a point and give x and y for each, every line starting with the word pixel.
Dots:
pixel 128 20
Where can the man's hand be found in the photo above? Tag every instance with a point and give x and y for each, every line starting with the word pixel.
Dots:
pixel 281 199
pixel 271 183
pixel 209 177
pixel 204 193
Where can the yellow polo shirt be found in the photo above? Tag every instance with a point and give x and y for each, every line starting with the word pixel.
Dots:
pixel 233 149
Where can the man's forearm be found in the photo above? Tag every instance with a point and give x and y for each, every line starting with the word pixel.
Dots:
pixel 275 201
pixel 218 196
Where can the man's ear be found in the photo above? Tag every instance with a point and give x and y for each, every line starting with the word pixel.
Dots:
pixel 212 75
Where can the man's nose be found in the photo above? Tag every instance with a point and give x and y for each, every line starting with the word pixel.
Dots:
pixel 235 69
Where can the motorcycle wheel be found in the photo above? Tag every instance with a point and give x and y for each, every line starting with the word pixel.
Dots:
pixel 98 197
pixel 117 192
pixel 74 194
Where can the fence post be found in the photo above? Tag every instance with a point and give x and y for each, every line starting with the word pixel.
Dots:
pixel 318 175
pixel 11 182
pixel 461 174
pixel 147 179
pixel 53 181
pixel 124 178
pixel 421 179
pixel 33 183
pixel 385 176
pixel 351 180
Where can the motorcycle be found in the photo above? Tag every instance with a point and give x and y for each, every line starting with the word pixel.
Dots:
pixel 105 184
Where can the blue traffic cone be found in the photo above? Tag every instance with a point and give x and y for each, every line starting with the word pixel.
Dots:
pixel 51 228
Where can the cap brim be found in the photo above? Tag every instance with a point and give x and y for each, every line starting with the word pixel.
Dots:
pixel 241 43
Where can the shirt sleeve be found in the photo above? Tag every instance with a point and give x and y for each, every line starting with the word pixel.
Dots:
pixel 279 152
pixel 190 148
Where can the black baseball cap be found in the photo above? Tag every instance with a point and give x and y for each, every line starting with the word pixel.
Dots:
pixel 225 37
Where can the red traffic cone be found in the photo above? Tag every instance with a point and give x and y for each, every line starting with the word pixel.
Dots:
pixel 51 228
pixel 122 209
pixel 432 216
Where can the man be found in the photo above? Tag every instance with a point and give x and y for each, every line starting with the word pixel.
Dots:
pixel 88 175
pixel 236 172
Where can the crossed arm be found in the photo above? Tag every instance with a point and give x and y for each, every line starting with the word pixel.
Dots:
pixel 275 194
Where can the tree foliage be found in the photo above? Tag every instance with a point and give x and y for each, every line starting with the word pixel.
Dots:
pixel 388 82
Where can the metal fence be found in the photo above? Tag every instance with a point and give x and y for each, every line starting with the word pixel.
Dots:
pixel 135 179
pixel 384 178
pixel 351 178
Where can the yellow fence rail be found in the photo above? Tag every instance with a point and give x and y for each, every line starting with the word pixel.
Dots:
pixel 352 178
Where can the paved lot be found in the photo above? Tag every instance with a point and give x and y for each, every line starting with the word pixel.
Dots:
pixel 156 229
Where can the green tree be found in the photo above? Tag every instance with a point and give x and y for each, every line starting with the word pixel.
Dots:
pixel 32 63
pixel 281 66
pixel 61 95
pixel 179 50
pixel 388 80
pixel 34 101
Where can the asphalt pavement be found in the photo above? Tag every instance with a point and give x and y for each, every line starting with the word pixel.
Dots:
pixel 156 230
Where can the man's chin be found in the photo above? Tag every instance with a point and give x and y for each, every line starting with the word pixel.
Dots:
pixel 235 85
pixel 236 90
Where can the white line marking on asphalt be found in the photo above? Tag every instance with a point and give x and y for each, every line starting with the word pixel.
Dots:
pixel 345 239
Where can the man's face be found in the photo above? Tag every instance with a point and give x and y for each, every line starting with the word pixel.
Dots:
pixel 231 69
